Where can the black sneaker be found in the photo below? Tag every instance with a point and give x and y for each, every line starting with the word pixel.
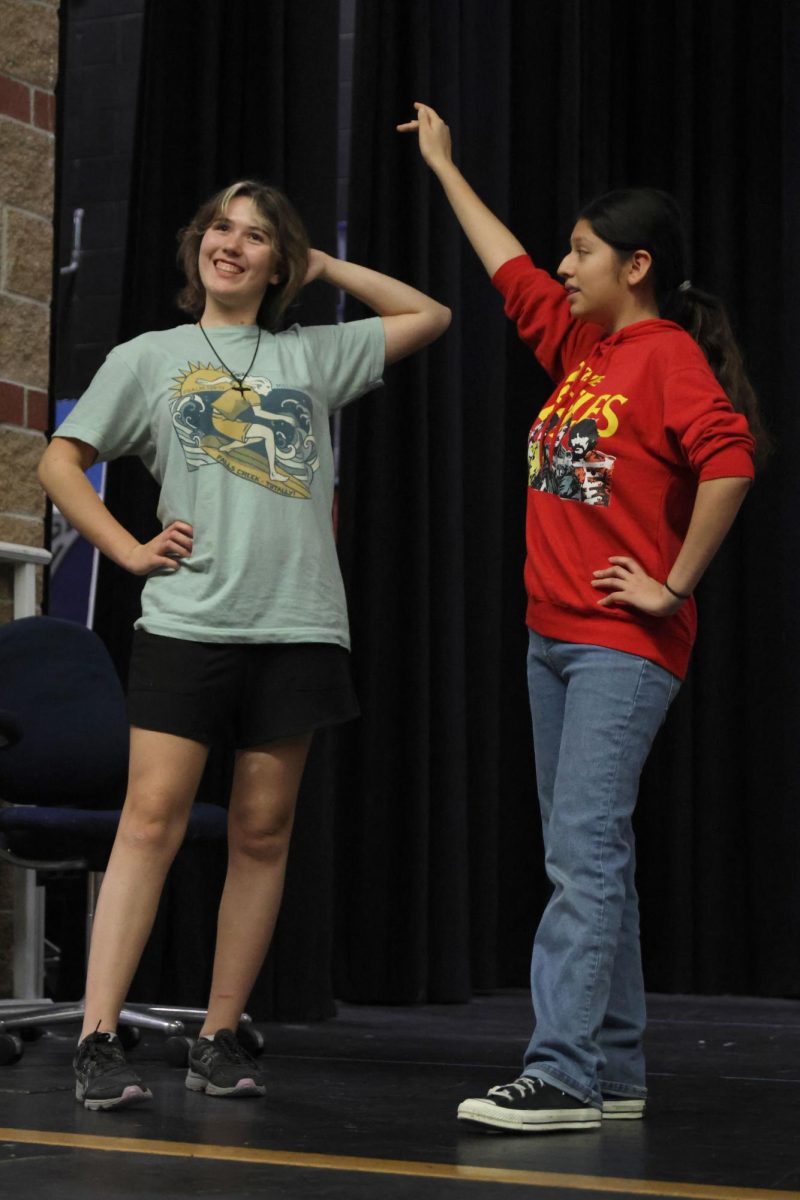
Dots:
pixel 623 1108
pixel 102 1077
pixel 530 1105
pixel 223 1068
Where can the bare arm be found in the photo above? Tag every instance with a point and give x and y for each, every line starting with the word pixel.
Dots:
pixel 491 240
pixel 410 318
pixel 715 508
pixel 62 475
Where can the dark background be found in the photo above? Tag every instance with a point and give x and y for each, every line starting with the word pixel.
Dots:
pixel 416 870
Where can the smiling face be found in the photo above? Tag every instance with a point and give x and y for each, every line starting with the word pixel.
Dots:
pixel 237 262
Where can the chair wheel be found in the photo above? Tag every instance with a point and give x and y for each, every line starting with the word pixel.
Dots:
pixel 30 1033
pixel 251 1039
pixel 176 1051
pixel 10 1049
pixel 129 1036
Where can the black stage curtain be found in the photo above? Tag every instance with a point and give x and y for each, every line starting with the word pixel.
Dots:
pixel 228 91
pixel 439 873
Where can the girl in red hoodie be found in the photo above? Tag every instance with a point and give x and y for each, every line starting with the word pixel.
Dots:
pixel 637 466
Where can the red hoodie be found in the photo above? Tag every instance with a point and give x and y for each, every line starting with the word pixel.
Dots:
pixel 615 456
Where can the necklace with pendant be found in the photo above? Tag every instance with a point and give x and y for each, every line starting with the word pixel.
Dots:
pixel 239 384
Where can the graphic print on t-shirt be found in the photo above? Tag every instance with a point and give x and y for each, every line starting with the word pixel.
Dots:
pixel 258 432
pixel 563 455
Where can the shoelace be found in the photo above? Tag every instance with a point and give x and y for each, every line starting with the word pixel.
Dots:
pixel 227 1043
pixel 523 1086
pixel 103 1048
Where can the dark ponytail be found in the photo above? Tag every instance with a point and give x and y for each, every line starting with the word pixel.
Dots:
pixel 704 317
pixel 647 219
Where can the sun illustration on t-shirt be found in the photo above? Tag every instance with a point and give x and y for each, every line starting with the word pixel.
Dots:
pixel 258 431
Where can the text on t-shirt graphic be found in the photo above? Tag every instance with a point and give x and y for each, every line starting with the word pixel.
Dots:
pixel 262 433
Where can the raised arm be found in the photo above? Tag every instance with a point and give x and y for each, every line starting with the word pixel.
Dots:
pixel 410 318
pixel 491 240
pixel 62 475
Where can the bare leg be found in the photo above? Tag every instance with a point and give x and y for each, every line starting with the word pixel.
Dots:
pixel 265 785
pixel 264 434
pixel 269 446
pixel 164 775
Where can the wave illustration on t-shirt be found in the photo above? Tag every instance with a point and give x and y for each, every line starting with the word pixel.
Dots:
pixel 257 431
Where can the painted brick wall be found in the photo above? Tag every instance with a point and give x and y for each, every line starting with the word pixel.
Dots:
pixel 28 70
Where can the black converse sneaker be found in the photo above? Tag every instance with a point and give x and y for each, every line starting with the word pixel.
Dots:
pixel 102 1077
pixel 529 1105
pixel 623 1108
pixel 219 1066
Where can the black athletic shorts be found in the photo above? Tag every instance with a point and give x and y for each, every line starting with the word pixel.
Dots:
pixel 258 692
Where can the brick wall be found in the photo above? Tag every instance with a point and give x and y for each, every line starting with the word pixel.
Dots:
pixel 28 66
pixel 28 69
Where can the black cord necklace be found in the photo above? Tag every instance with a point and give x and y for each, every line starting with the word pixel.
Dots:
pixel 239 385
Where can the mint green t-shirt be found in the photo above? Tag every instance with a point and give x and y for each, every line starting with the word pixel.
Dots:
pixel 252 472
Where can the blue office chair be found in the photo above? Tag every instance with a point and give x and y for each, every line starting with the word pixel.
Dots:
pixel 63 770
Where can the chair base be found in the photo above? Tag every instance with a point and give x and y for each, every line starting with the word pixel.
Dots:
pixel 20 1016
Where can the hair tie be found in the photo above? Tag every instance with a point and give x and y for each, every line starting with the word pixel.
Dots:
pixel 684 287
pixel 677 595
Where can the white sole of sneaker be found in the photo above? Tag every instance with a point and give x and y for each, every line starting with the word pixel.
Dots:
pixel 623 1110
pixel 546 1120
pixel 244 1087
pixel 130 1095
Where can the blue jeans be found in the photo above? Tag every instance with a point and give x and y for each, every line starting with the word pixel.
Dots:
pixel 595 714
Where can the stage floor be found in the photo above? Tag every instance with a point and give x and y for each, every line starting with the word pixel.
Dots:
pixel 363 1108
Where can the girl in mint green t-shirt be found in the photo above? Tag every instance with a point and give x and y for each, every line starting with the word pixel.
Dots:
pixel 243 614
